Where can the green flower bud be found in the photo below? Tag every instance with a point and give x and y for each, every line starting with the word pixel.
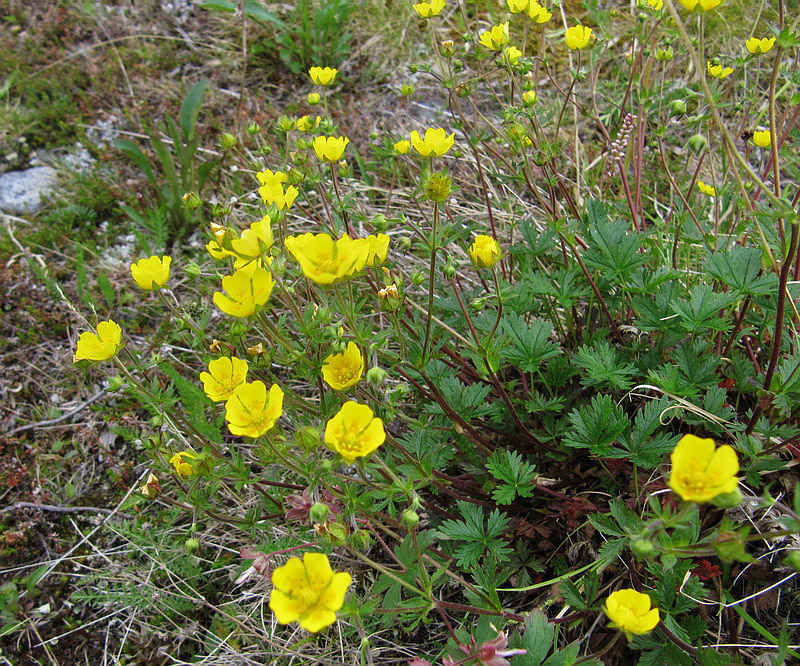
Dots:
pixel 407 90
pixel 410 519
pixel 333 533
pixel 254 128
pixel 642 548
pixel 697 143
pixel 665 53
pixel 361 540
pixel 115 383
pixel 307 438
pixel 227 141
pixel 449 271
pixel 319 512
pixel 677 107
pixel 447 48
pixel 192 201
pixel 238 328
pixel 285 124
pixel 418 278
pixel 438 187
pixel 323 314
pixel 313 99
pixel 192 545
pixel 380 223
pixel 404 243
pixel 376 376
pixel 192 270
pixel 325 466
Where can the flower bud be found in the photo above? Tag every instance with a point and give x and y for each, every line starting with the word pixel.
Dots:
pixel 253 128
pixel 529 98
pixel 285 124
pixel 447 48
pixel 463 90
pixel 380 223
pixel 407 90
pixel 115 383
pixel 323 315
pixel 192 545
pixel 410 519
pixel 643 548
pixel 438 187
pixel 677 107
pixel 376 376
pixel 361 540
pixel 325 466
pixel 192 201
pixel 192 270
pixel 449 271
pixel 307 438
pixel 227 141
pixel 664 53
pixel 418 278
pixel 333 533
pixel 404 243
pixel 697 142
pixel 318 513
pixel 313 99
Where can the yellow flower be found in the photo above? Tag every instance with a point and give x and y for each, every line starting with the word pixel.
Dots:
pixel 255 240
pixel 251 410
pixel 324 260
pixel 99 346
pixel 308 591
pixel 304 123
pixel 435 144
pixel 323 76
pixel 378 249
pixel 529 98
pixel 517 6
pixel 245 291
pixel 429 9
pixel 700 472
pixel 151 273
pixel 706 189
pixel 330 148
pixel 630 611
pixel 402 147
pixel 183 468
pixel 537 13
pixel 758 46
pixel 485 251
pixel 216 250
pixel 705 5
pixel 763 139
pixel 341 371
pixel 354 432
pixel 578 37
pixel 272 192
pixel 496 37
pixel 718 71
pixel 655 5
pixel 513 54
pixel 223 376
pixel 313 99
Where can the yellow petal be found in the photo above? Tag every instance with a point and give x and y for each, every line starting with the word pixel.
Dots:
pixel 286 608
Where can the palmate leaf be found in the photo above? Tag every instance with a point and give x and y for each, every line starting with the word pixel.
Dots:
pixel 603 367
pixel 702 311
pixel 739 268
pixel 615 252
pixel 530 343
pixel 597 426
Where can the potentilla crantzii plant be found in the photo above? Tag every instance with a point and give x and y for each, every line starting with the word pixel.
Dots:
pixel 546 369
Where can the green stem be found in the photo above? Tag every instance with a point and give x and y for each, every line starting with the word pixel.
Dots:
pixel 431 276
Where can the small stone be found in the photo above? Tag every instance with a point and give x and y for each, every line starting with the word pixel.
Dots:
pixel 22 191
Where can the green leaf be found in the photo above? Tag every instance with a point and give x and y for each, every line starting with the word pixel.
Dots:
pixel 615 251
pixel 190 109
pixel 194 401
pixel 603 367
pixel 572 595
pixel 597 426
pixel 468 401
pixel 516 474
pixel 537 639
pixel 702 311
pixel 530 343
pixel 739 268
pixel 479 537
pixel 133 152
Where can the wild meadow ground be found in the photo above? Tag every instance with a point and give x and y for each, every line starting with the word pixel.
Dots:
pixel 370 332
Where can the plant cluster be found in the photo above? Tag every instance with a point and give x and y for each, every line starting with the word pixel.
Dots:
pixel 566 359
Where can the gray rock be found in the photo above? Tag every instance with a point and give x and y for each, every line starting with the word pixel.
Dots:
pixel 22 191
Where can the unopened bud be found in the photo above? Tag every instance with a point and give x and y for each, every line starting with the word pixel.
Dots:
pixel 361 540
pixel 643 548
pixel 192 545
pixel 192 201
pixel 438 187
pixel 793 560
pixel 192 270
pixel 697 142
pixel 728 500
pixel 407 90
pixel 313 99
pixel 449 271
pixel 448 48
pixel 318 513
pixel 307 438
pixel 677 107
pixel 227 141
pixel 376 376
pixel 410 519
pixel 253 128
